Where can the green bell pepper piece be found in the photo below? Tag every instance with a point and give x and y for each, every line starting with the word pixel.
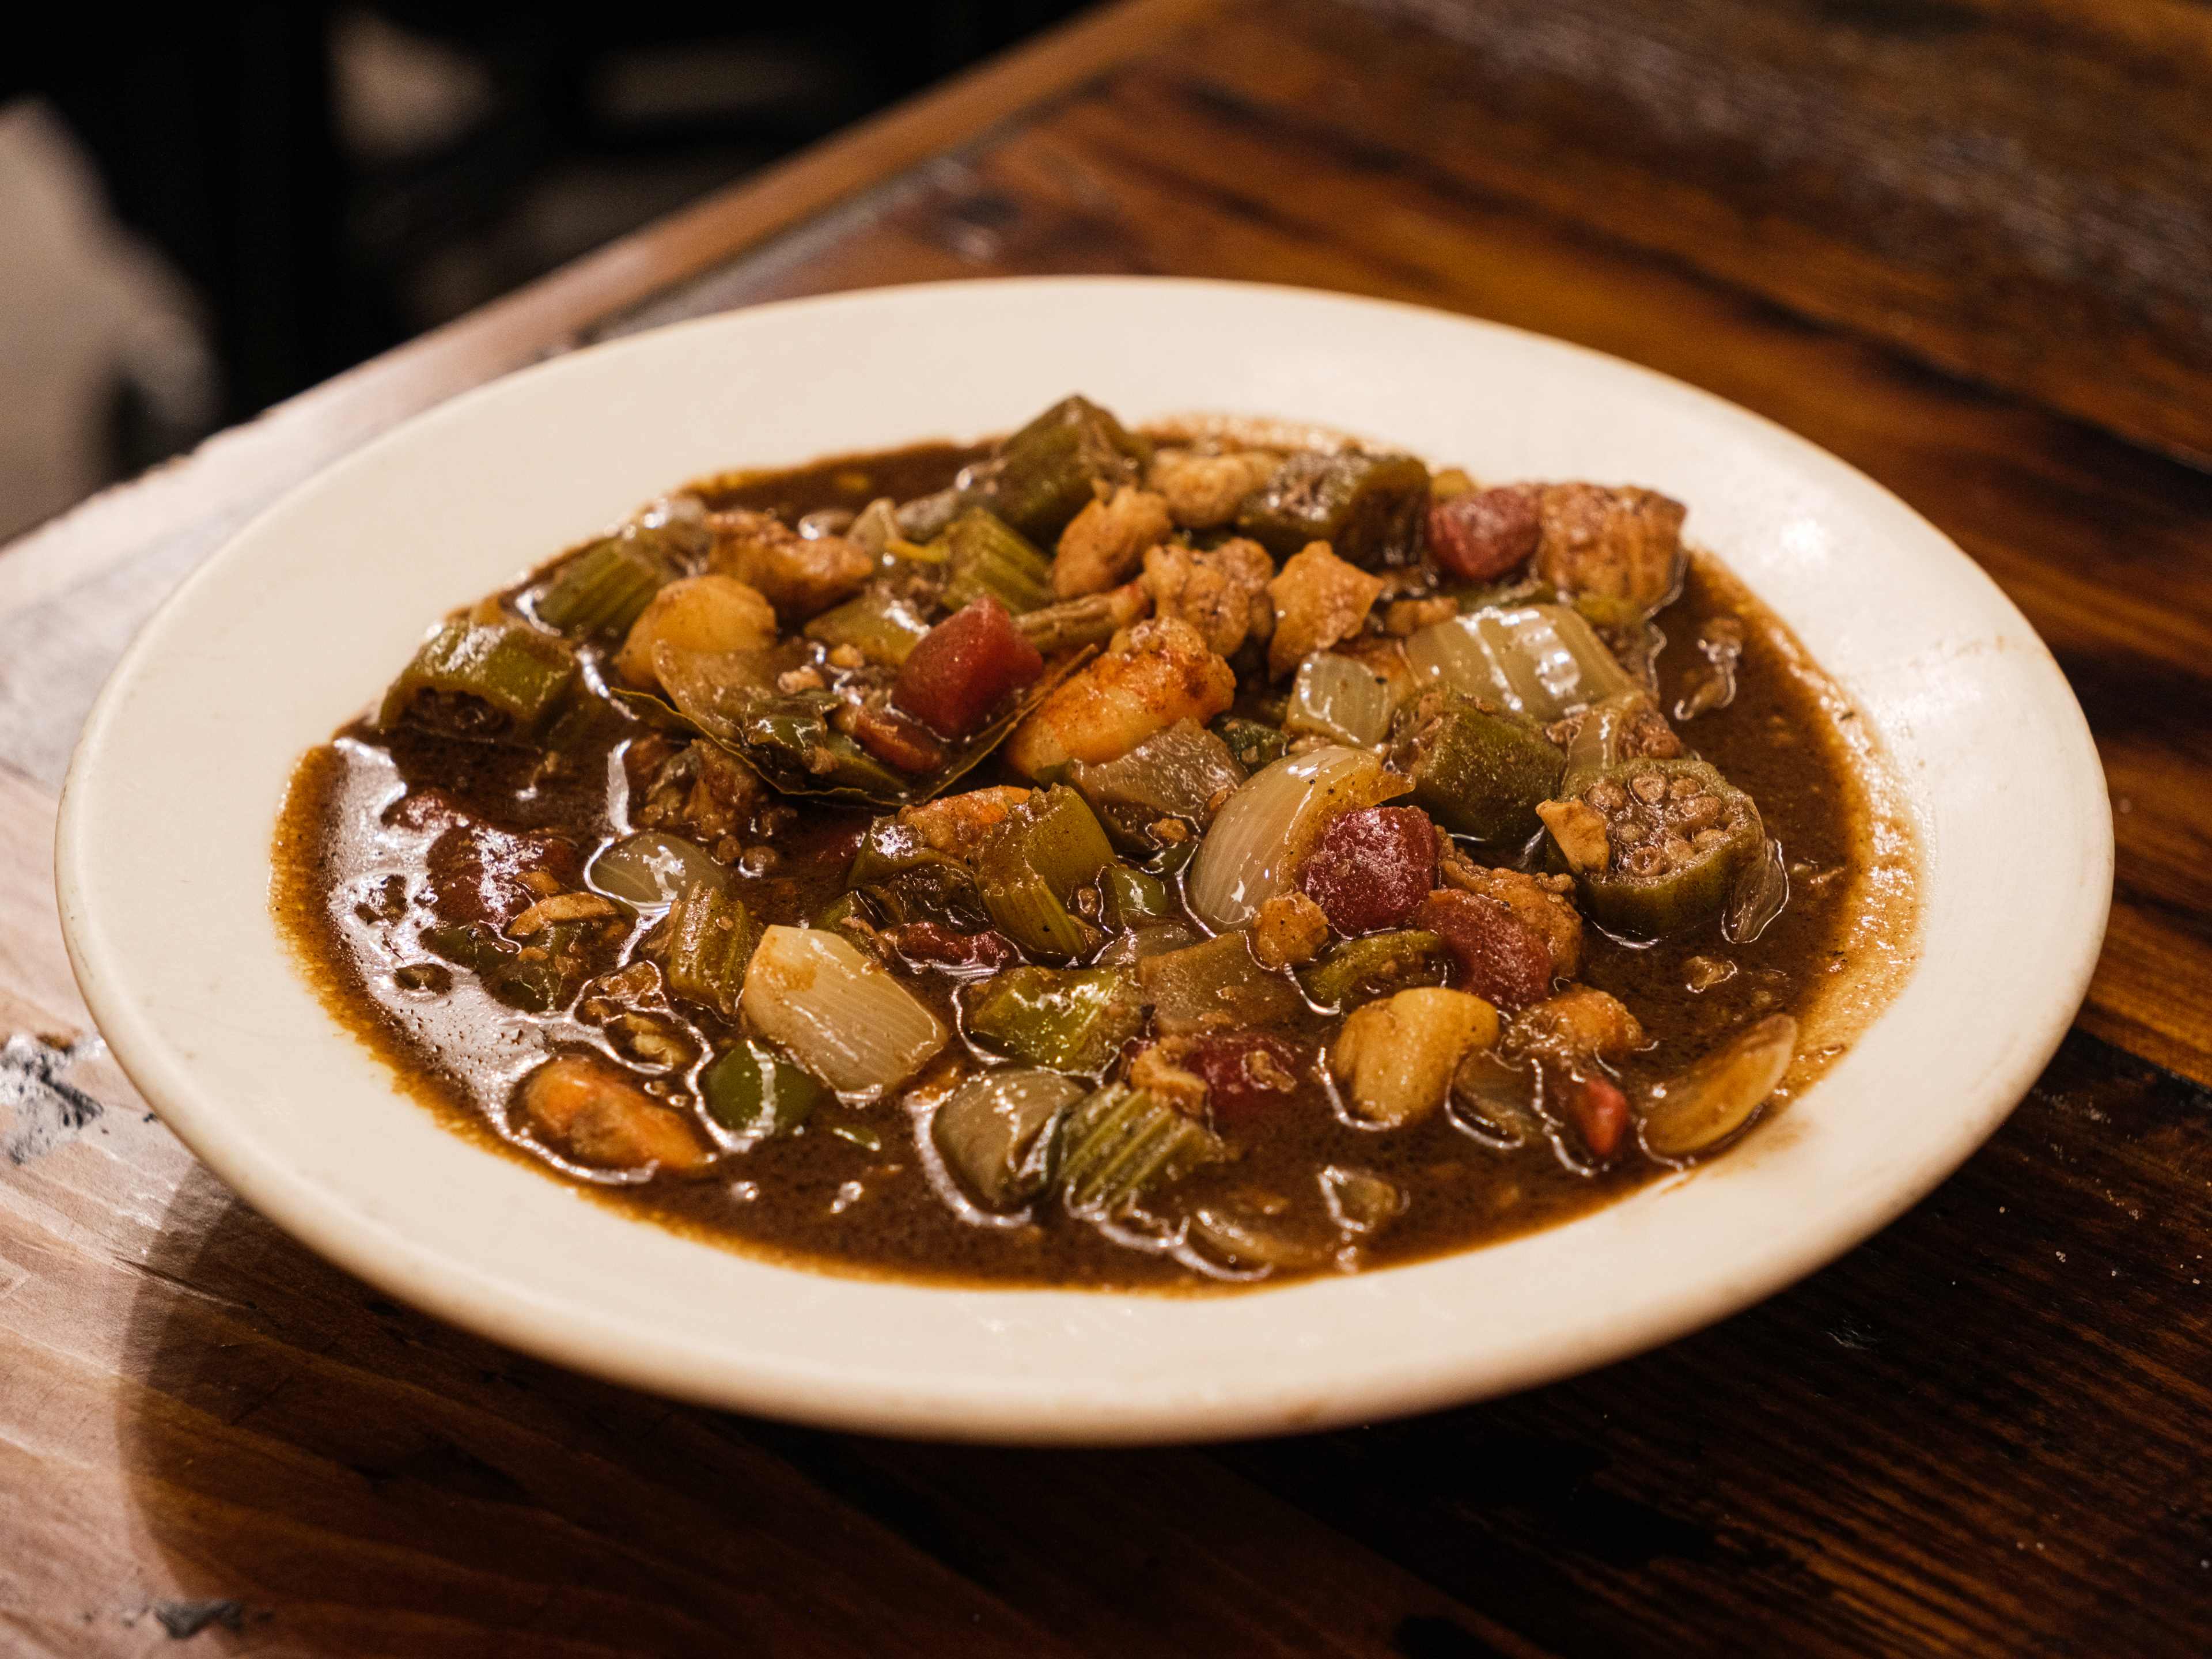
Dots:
pixel 879 624
pixel 1134 898
pixel 752 1090
pixel 1071 1019
pixel 1379 965
pixel 1254 743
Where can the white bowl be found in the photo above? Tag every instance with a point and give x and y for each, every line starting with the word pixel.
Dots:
pixel 163 862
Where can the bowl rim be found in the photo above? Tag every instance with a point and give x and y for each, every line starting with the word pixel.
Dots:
pixel 887 1393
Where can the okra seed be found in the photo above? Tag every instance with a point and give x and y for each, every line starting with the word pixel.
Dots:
pixel 1698 814
pixel 1682 789
pixel 1605 795
pixel 1649 786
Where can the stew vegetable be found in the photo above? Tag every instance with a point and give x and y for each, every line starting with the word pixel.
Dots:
pixel 1108 857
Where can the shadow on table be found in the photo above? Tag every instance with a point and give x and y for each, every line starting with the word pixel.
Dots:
pixel 359 1477
pixel 1977 1418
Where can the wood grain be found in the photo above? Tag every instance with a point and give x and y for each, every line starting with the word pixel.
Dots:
pixel 1208 166
pixel 1918 233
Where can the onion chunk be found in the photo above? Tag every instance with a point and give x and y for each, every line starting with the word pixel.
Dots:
pixel 842 1014
pixel 1269 826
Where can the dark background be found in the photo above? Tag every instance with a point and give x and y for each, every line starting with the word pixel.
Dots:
pixel 329 180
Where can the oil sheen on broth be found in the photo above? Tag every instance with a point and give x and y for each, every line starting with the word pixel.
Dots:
pixel 366 860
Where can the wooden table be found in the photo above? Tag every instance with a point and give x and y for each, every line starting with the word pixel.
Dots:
pixel 1967 246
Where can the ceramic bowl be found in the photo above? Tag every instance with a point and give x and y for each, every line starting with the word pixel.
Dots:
pixel 295 625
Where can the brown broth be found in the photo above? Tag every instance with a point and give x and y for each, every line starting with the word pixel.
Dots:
pixel 348 894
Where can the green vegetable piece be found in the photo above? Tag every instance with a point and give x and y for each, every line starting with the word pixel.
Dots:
pixel 1216 986
pixel 1030 866
pixel 1174 775
pixel 1380 965
pixel 1369 508
pixel 711 935
pixel 1023 907
pixel 602 590
pixel 753 1091
pixel 1619 728
pixel 853 915
pixel 1120 1144
pixel 983 554
pixel 1071 1019
pixel 993 1133
pixel 1677 836
pixel 912 881
pixel 731 698
pixel 1254 743
pixel 537 980
pixel 497 681
pixel 461 942
pixel 1050 470
pixel 878 624
pixel 1134 898
pixel 1479 775
pixel 1091 619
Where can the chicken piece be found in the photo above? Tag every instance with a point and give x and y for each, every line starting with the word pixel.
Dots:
pixel 1104 543
pixel 695 613
pixel 1579 829
pixel 1624 545
pixel 1202 491
pixel 1290 930
pixel 1158 1070
pixel 1538 903
pixel 798 574
pixel 1221 593
pixel 956 824
pixel 1403 618
pixel 1318 599
pixel 1159 672
pixel 1577 1025
pixel 1396 1057
pixel 586 1111
pixel 561 907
